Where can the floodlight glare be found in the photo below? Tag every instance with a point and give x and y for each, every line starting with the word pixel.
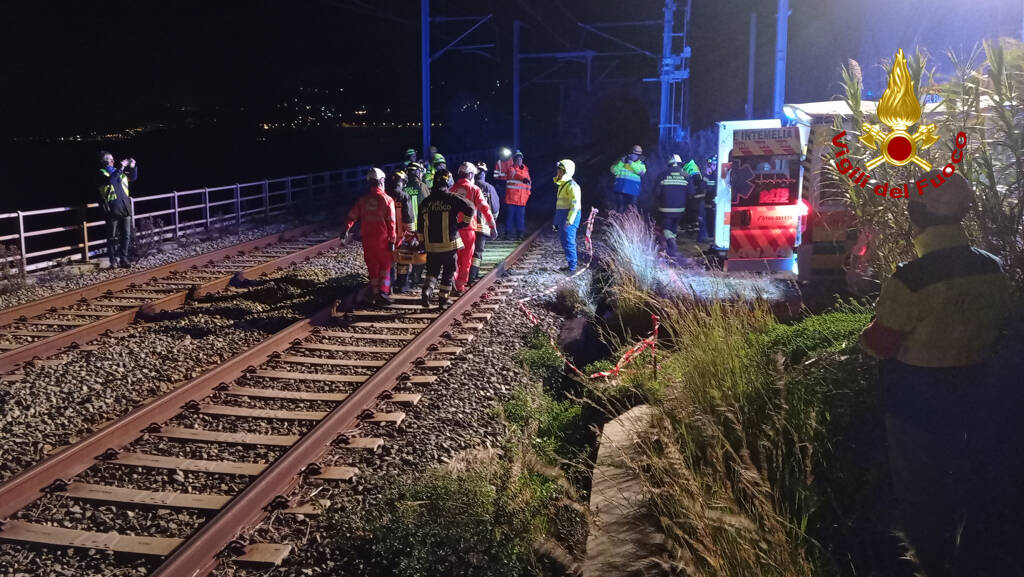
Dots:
pixel 505 153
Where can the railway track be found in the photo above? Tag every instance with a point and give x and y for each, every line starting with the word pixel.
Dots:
pixel 71 319
pixel 222 451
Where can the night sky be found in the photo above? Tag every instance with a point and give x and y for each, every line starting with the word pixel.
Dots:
pixel 72 66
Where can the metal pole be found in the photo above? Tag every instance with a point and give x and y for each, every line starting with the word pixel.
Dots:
pixel 206 206
pixel 85 233
pixel 177 217
pixel 266 198
pixel 515 85
pixel 664 124
pixel 21 241
pixel 238 205
pixel 781 38
pixel 425 74
pixel 750 65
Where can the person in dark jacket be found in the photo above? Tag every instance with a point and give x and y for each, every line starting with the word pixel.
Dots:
pixel 491 196
pixel 418 191
pixel 404 229
pixel 113 182
pixel 439 236
pixel 695 209
pixel 670 196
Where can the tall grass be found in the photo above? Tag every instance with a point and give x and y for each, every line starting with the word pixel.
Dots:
pixel 985 99
pixel 748 414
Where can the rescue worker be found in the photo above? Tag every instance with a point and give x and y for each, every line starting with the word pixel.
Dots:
pixel 116 202
pixel 410 157
pixel 437 162
pixel 937 321
pixel 695 221
pixel 404 252
pixel 418 191
pixel 670 198
pixel 491 196
pixel 375 212
pixel 439 236
pixel 516 175
pixel 710 196
pixel 568 208
pixel 628 171
pixel 482 221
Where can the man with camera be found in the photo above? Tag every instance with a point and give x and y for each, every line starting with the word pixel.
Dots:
pixel 628 172
pixel 116 203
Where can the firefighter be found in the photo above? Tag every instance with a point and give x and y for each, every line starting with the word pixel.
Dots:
pixel 491 196
pixel 418 191
pixel 695 221
pixel 670 196
pixel 482 221
pixel 437 162
pixel 410 157
pixel 628 171
pixel 937 322
pixel 439 237
pixel 568 205
pixel 516 175
pixel 404 253
pixel 710 196
pixel 375 212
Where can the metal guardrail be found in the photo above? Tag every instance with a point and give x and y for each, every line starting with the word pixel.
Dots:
pixel 49 236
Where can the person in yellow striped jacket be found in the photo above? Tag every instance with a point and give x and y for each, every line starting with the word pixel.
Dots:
pixel 568 208
pixel 628 172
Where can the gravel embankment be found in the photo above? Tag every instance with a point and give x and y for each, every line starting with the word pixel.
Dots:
pixel 50 282
pixel 456 413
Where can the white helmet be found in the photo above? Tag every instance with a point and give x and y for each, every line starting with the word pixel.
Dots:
pixel 375 175
pixel 468 168
pixel 674 160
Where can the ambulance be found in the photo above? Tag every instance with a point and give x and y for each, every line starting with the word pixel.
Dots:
pixel 779 210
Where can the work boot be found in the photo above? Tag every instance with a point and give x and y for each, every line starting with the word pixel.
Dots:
pixel 474 274
pixel 442 302
pixel 382 299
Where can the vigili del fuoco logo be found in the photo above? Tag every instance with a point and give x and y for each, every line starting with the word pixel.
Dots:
pixel 898 110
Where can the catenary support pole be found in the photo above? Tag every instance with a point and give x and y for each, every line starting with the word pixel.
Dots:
pixel 751 64
pixel 515 85
pixel 425 73
pixel 665 122
pixel 781 39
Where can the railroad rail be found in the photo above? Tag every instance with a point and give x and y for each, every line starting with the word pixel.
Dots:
pixel 71 319
pixel 299 394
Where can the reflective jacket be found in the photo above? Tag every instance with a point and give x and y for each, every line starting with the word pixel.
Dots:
pixel 569 195
pixel 627 176
pixel 674 187
pixel 944 309
pixel 113 187
pixel 482 220
pixel 418 191
pixel 441 216
pixel 517 189
pixel 375 212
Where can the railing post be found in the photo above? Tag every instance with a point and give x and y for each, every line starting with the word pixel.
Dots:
pixel 288 192
pixel 21 241
pixel 266 199
pixel 177 217
pixel 206 206
pixel 238 205
pixel 85 233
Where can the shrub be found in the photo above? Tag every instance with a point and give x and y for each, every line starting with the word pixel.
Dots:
pixel 480 521
pixel 552 427
pixel 541 358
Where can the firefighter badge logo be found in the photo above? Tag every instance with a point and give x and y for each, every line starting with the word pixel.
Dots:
pixel 899 109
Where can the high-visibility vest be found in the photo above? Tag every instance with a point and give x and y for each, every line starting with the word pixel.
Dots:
pixel 517 189
pixel 107 191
